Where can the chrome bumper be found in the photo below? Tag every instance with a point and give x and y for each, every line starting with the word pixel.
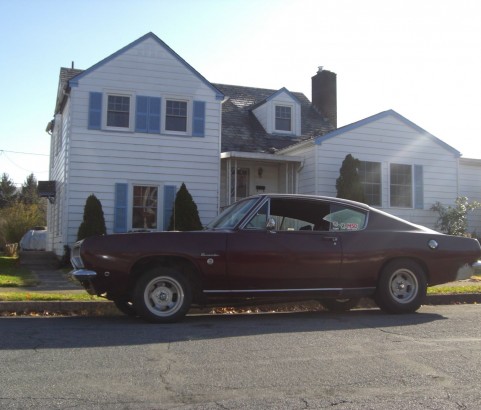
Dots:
pixel 477 268
pixel 83 274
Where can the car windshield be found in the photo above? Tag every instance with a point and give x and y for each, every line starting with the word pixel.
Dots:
pixel 232 215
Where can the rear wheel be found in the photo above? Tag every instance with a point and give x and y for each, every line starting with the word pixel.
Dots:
pixel 339 305
pixel 402 287
pixel 162 296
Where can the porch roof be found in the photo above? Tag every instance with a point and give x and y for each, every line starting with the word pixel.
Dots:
pixel 261 156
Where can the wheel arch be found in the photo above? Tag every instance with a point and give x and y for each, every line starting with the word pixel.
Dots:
pixel 181 264
pixel 415 259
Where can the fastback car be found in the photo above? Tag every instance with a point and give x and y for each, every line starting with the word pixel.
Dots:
pixel 275 248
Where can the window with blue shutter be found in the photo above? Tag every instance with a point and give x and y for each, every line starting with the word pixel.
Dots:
pixel 418 187
pixel 120 207
pixel 198 120
pixel 169 199
pixel 147 115
pixel 95 111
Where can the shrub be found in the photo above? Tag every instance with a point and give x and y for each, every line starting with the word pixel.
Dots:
pixel 454 220
pixel 185 216
pixel 93 222
pixel 349 184
pixel 17 219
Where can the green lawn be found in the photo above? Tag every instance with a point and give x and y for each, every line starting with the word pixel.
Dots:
pixel 14 275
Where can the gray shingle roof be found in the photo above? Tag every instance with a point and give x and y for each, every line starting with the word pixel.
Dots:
pixel 241 131
pixel 66 74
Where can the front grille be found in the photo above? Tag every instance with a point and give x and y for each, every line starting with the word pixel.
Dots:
pixel 75 258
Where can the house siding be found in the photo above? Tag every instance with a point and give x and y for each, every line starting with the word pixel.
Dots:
pixel 387 140
pixel 98 159
pixel 470 187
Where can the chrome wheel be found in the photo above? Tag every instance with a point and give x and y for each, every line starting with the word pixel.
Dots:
pixel 404 286
pixel 162 296
pixel 401 287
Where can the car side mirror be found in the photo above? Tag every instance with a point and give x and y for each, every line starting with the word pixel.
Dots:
pixel 271 224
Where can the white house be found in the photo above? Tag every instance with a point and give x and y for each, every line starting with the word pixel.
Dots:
pixel 131 129
pixel 135 126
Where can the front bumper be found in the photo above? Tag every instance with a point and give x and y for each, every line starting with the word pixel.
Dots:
pixel 85 276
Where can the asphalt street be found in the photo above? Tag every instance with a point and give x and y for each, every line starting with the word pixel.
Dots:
pixel 363 359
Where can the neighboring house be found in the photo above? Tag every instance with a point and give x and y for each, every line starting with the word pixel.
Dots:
pixel 134 126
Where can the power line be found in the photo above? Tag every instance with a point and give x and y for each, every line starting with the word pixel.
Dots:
pixel 24 153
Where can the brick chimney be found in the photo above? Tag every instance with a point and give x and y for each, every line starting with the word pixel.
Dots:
pixel 324 94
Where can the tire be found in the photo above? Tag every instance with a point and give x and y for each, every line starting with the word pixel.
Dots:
pixel 162 296
pixel 125 306
pixel 402 287
pixel 339 305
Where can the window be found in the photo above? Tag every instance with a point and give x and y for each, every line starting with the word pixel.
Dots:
pixel 283 118
pixel 118 111
pixel 144 209
pixel 401 186
pixel 239 183
pixel 176 116
pixel 370 174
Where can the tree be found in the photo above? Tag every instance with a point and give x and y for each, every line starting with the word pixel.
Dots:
pixel 29 191
pixel 8 191
pixel 185 216
pixel 93 222
pixel 17 219
pixel 454 220
pixel 349 184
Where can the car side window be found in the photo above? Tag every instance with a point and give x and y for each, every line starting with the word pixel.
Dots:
pixel 342 219
pixel 259 220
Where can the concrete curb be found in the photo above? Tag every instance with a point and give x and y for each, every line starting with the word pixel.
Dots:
pixel 94 308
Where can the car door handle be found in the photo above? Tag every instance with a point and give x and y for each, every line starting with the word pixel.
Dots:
pixel 332 239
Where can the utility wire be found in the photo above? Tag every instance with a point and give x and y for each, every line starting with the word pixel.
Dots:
pixel 24 153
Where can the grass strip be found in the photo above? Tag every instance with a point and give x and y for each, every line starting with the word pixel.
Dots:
pixel 47 297
pixel 14 275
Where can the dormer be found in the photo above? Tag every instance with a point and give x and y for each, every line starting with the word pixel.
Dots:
pixel 280 113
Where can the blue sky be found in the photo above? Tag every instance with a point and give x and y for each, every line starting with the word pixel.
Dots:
pixel 419 58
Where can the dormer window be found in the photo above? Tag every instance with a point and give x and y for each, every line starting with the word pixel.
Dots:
pixel 283 118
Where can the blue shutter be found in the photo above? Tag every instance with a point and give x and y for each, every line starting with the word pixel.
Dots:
pixel 198 120
pixel 154 115
pixel 95 111
pixel 141 114
pixel 147 115
pixel 418 187
pixel 169 199
pixel 120 211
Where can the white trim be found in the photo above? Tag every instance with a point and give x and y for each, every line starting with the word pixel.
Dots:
pixel 105 105
pixel 163 121
pixel 284 290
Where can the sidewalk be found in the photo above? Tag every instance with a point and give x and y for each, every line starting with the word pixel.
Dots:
pixel 57 281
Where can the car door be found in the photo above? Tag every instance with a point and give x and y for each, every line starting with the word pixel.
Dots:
pixel 297 254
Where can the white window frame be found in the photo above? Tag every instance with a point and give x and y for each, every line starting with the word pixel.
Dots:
pixel 411 206
pixel 130 205
pixel 105 108
pixel 291 108
pixel 293 118
pixel 380 182
pixel 163 120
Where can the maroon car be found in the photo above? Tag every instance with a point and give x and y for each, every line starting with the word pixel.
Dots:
pixel 273 248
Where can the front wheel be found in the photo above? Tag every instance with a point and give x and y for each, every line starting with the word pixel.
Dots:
pixel 402 287
pixel 162 296
pixel 339 305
